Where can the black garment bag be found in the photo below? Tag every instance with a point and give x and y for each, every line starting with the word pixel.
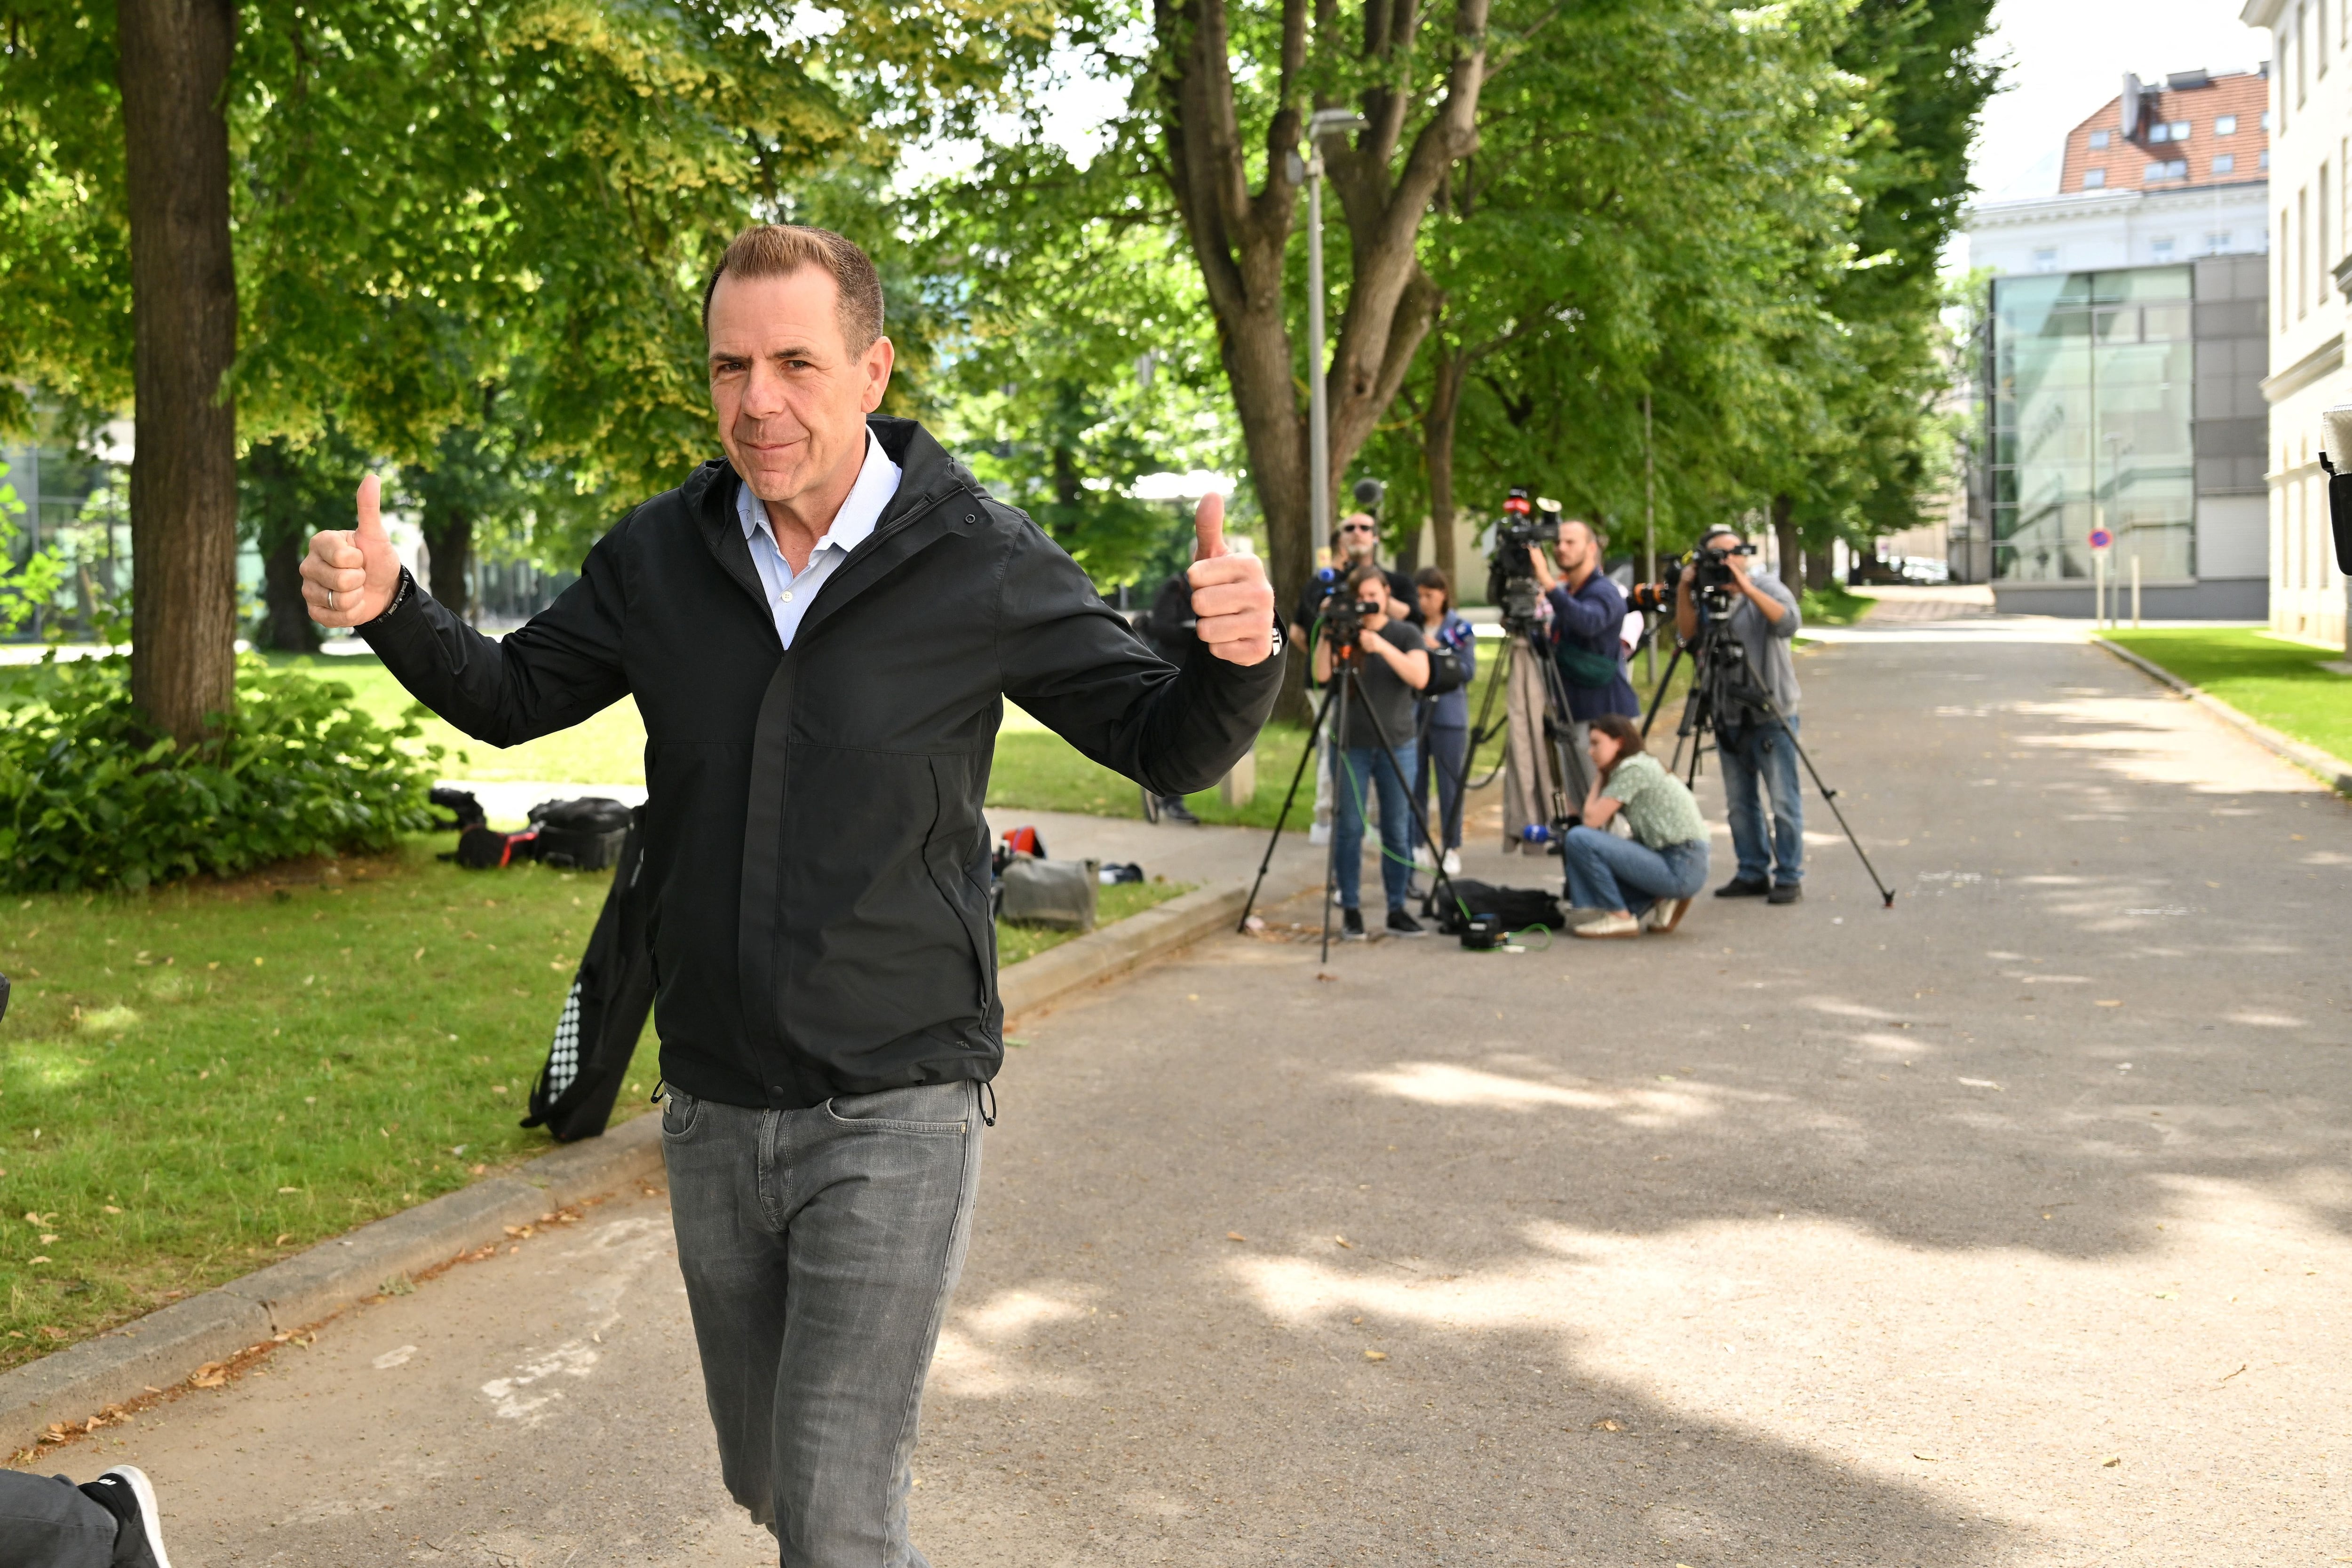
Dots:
pixel 611 995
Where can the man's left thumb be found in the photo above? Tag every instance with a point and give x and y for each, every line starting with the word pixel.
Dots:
pixel 1209 527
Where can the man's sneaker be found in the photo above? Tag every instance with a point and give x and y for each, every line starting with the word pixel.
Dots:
pixel 1403 924
pixel 1352 926
pixel 1174 809
pixel 1666 914
pixel 1454 862
pixel 1585 914
pixel 1320 835
pixel 1744 887
pixel 125 1492
pixel 1786 892
pixel 1612 923
pixel 1421 859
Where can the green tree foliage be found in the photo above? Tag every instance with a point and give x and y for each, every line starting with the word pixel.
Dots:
pixel 1084 357
pixel 431 197
pixel 1626 266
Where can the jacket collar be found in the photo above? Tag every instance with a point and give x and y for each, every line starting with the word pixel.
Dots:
pixel 915 516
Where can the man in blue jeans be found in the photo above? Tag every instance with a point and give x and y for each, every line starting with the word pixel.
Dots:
pixel 1755 749
pixel 1391 664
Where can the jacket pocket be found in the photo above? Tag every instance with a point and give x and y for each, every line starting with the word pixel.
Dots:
pixel 957 842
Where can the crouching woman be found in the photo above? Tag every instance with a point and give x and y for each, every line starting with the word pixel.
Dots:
pixel 1643 883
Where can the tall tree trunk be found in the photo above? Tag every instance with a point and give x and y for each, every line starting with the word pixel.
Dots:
pixel 1240 238
pixel 1819 567
pixel 175 63
pixel 1437 428
pixel 286 623
pixel 449 536
pixel 1792 552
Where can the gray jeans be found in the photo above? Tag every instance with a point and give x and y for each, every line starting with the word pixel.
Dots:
pixel 820 1247
pixel 47 1522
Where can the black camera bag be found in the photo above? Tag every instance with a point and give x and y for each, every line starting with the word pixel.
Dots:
pixel 1445 673
pixel 604 1012
pixel 580 835
pixel 1517 907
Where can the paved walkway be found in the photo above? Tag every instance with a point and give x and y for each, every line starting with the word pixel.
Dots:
pixel 2006 1227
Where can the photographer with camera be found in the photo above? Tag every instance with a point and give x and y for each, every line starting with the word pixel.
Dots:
pixel 1755 747
pixel 1391 663
pixel 1445 745
pixel 1354 542
pixel 1588 611
pixel 1644 883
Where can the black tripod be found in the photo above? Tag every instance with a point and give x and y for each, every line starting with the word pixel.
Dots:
pixel 1706 653
pixel 1347 661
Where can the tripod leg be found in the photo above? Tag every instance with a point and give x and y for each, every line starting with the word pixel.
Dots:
pixel 1829 795
pixel 1305 760
pixel 1658 692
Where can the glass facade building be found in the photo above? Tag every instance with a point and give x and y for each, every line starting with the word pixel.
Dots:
pixel 2093 378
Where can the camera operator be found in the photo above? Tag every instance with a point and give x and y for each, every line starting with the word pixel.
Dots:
pixel 1444 747
pixel 1391 664
pixel 1753 744
pixel 1644 883
pixel 1354 542
pixel 1588 612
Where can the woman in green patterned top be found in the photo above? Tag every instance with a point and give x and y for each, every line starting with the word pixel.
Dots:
pixel 1643 883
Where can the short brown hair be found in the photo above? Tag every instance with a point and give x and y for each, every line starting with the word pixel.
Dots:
pixel 779 250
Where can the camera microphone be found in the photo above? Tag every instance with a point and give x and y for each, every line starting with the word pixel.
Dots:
pixel 1368 494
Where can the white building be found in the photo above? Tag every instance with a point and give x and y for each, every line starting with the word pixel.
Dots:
pixel 2311 179
pixel 2122 359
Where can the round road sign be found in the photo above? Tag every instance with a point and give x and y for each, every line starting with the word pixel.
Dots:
pixel 2100 538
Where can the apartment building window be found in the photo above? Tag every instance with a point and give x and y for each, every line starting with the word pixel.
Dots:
pixel 2156 173
pixel 2218 240
pixel 2227 124
pixel 2169 130
pixel 2093 178
pixel 2302 251
pixel 2286 290
pixel 2161 249
pixel 2044 260
pixel 2225 164
pixel 2320 277
pixel 2099 138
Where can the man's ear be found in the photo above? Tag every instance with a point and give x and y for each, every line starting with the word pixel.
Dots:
pixel 879 359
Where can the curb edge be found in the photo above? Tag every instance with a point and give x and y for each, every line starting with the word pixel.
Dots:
pixel 2330 769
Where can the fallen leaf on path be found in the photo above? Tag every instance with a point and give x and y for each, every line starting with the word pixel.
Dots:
pixel 1376 1355
pixel 2115 1004
pixel 211 1374
pixel 1608 1423
pixel 53 1331
pixel 1235 1235
pixel 2227 1376
pixel 1931 1458
pixel 2111 1464
pixel 1980 1083
pixel 1345 1242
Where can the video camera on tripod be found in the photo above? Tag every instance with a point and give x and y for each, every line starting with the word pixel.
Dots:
pixel 1529 523
pixel 1712 583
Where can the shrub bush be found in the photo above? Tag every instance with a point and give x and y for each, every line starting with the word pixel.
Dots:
pixel 92 796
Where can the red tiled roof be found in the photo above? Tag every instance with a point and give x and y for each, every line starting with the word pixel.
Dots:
pixel 2245 94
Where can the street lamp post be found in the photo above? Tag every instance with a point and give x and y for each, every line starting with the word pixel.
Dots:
pixel 1323 122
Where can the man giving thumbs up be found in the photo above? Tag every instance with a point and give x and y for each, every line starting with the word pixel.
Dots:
pixel 821 629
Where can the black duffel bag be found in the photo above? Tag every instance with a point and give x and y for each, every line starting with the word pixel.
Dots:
pixel 1517 907
pixel 581 835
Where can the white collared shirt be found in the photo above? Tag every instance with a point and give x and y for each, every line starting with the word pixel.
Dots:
pixel 790 595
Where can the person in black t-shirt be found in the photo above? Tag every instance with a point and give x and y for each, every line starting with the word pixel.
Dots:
pixel 1391 664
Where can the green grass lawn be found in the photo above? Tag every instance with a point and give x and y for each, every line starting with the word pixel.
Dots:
pixel 2278 683
pixel 1835 605
pixel 197 1081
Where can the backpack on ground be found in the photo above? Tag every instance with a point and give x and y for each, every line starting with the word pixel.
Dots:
pixel 580 835
pixel 604 1012
pixel 1059 894
pixel 1517 907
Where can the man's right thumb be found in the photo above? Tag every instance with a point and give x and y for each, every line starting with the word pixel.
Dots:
pixel 370 503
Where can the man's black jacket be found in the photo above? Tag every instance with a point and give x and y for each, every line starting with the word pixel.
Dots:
pixel 814 847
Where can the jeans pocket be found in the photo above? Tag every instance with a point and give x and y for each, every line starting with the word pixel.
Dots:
pixel 680 1111
pixel 911 1110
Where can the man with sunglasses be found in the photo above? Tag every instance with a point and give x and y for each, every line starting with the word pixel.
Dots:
pixel 1355 541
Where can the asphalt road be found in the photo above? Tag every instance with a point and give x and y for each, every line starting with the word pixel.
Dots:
pixel 2007 1226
